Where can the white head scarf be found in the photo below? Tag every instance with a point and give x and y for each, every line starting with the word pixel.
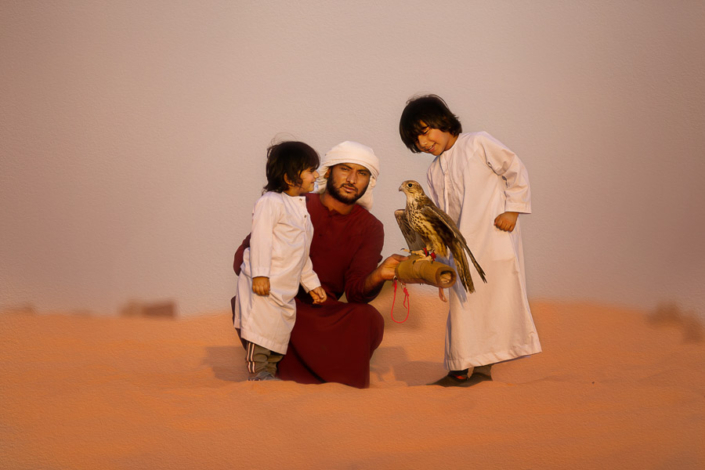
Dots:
pixel 350 152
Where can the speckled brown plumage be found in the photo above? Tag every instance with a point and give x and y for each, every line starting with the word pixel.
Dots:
pixel 424 225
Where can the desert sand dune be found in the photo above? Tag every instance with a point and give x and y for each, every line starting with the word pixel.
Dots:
pixel 610 390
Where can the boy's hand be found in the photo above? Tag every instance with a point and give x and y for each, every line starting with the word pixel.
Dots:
pixel 506 221
pixel 318 294
pixel 260 285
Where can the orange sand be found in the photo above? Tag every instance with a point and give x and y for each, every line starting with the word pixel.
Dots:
pixel 610 390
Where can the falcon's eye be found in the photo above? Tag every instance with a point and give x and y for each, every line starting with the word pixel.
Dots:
pixel 409 185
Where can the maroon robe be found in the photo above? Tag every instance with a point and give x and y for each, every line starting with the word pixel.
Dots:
pixel 334 342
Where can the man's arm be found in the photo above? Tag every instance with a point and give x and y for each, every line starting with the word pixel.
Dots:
pixel 363 263
pixel 239 255
pixel 364 277
pixel 383 272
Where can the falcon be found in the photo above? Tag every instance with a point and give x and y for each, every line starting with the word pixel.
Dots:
pixel 427 228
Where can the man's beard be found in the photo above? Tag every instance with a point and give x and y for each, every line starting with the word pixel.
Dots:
pixel 344 198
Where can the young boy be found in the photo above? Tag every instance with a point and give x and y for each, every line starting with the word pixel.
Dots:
pixel 277 260
pixel 483 187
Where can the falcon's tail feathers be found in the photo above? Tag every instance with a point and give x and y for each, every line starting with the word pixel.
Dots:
pixel 461 264
pixel 476 264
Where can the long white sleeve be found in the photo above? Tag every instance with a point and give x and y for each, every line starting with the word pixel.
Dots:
pixel 431 189
pixel 265 216
pixel 506 164
pixel 309 279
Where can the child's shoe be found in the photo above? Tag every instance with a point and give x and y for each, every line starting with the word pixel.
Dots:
pixel 262 375
pixel 455 378
pixel 460 378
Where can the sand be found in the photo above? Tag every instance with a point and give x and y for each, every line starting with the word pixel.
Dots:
pixel 610 390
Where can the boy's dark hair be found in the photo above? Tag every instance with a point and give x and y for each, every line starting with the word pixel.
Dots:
pixel 433 112
pixel 290 159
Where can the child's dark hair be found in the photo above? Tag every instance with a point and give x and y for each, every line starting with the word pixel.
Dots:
pixel 433 112
pixel 290 159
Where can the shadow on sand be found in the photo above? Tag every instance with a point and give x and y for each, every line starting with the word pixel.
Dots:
pixel 394 360
pixel 227 362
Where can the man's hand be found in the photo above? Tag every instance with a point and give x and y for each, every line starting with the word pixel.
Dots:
pixel 383 272
pixel 389 266
pixel 260 285
pixel 506 221
pixel 318 294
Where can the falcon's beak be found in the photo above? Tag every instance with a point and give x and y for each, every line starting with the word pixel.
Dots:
pixel 401 188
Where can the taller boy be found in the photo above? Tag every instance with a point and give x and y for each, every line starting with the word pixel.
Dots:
pixel 483 187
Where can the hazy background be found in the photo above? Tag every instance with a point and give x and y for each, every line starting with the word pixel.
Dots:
pixel 133 135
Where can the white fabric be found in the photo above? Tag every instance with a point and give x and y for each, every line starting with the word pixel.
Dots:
pixel 473 182
pixel 350 152
pixel 279 249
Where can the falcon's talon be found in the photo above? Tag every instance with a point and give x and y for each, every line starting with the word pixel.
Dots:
pixel 422 255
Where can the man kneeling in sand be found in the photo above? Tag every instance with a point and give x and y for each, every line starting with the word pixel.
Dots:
pixel 334 342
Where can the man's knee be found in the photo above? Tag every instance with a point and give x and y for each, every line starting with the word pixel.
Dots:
pixel 372 314
pixel 375 321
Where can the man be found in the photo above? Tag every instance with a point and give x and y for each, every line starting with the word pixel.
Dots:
pixel 334 342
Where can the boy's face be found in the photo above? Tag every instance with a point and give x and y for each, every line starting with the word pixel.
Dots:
pixel 434 141
pixel 308 178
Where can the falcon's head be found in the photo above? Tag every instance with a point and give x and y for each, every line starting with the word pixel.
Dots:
pixel 412 189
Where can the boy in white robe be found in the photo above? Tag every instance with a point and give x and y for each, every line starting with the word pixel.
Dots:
pixel 483 187
pixel 277 260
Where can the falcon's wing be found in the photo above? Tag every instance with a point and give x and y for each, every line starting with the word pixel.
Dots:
pixel 412 238
pixel 451 236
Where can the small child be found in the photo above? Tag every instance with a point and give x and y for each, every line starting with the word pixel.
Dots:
pixel 482 186
pixel 277 260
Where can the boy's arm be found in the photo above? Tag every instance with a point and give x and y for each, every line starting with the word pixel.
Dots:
pixel 431 189
pixel 309 279
pixel 265 216
pixel 507 165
